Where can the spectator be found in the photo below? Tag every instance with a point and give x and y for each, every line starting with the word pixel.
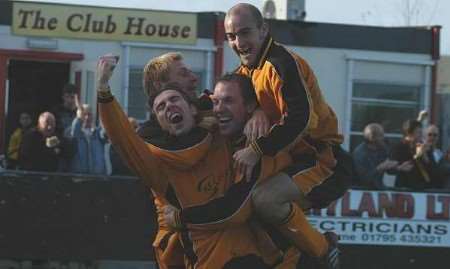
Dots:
pixel 88 142
pixel 431 139
pixel 416 171
pixel 16 139
pixel 437 157
pixel 66 112
pixel 41 148
pixel 371 158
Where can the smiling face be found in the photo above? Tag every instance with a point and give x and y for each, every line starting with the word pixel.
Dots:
pixel 244 35
pixel 46 124
pixel 174 113
pixel 229 108
pixel 432 135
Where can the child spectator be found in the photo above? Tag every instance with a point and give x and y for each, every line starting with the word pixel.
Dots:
pixel 16 139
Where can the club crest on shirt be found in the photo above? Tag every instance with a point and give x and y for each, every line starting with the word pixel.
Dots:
pixel 208 185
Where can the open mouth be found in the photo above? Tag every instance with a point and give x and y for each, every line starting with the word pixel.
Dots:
pixel 175 118
pixel 244 52
pixel 224 120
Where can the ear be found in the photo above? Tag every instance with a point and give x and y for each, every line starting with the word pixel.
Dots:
pixel 194 110
pixel 250 108
pixel 156 85
pixel 264 29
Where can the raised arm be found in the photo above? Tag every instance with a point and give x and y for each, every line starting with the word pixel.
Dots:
pixel 133 150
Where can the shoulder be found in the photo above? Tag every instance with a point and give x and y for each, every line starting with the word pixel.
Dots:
pixel 18 132
pixel 360 149
pixel 285 61
pixel 150 129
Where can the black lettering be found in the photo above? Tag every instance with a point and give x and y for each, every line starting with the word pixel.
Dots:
pixel 381 229
pixel 359 226
pixel 163 30
pixel 424 229
pixel 39 22
pixel 150 29
pixel 344 225
pixel 110 25
pixel 70 24
pixel 87 23
pixel 51 25
pixel 440 229
pixel 327 225
pixel 185 32
pixel 131 25
pixel 24 16
pixel 97 26
pixel 175 31
pixel 407 228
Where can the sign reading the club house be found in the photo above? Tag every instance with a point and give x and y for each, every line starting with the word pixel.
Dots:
pixel 52 20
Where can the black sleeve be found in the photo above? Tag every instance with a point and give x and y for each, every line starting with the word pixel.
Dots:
pixel 295 96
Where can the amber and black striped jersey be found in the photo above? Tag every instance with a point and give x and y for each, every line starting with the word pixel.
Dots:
pixel 289 94
pixel 196 168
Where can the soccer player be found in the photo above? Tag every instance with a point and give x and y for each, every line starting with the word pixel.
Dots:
pixel 190 167
pixel 289 94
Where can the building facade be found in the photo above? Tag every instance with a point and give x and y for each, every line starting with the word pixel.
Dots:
pixel 367 74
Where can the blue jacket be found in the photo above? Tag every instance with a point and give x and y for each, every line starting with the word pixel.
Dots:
pixel 89 157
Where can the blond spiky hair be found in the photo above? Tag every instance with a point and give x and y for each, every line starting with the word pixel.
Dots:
pixel 157 70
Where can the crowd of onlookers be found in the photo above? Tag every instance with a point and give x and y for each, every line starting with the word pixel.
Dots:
pixel 415 162
pixel 65 139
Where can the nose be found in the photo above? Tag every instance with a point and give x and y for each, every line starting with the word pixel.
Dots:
pixel 239 42
pixel 218 107
pixel 194 78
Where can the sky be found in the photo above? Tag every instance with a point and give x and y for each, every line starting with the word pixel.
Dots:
pixel 362 12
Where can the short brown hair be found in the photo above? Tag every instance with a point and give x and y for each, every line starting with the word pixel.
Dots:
pixel 174 86
pixel 157 70
pixel 70 88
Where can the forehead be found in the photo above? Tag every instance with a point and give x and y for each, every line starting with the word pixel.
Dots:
pixel 237 21
pixel 227 89
pixel 166 95
pixel 47 117
pixel 432 129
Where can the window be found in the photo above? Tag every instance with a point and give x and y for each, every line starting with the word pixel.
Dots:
pixel 137 99
pixel 389 104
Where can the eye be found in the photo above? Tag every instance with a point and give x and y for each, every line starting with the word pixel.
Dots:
pixel 230 37
pixel 160 107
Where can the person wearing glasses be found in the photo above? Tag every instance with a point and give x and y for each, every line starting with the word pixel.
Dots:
pixel 422 172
